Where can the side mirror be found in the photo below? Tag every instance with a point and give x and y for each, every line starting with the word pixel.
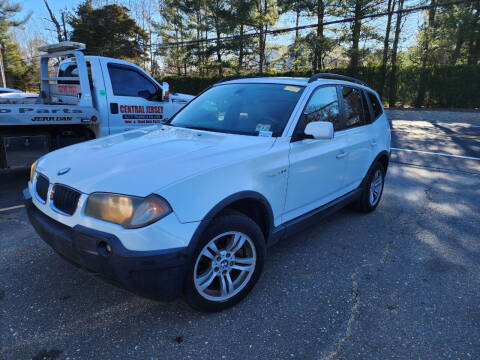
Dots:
pixel 320 130
pixel 165 91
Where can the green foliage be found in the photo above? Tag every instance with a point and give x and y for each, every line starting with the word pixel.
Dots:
pixel 447 86
pixel 109 31
pixel 450 36
pixel 17 73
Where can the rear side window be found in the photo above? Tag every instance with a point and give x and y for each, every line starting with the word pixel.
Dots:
pixel 323 106
pixel 377 108
pixel 129 82
pixel 354 113
pixel 369 118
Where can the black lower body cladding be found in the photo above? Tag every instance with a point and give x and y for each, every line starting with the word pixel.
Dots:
pixel 157 275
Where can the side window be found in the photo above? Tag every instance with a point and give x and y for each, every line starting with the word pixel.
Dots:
pixel 129 82
pixel 353 107
pixel 323 106
pixel 366 109
pixel 377 108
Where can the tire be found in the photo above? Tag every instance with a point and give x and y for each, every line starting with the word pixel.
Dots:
pixel 371 194
pixel 211 267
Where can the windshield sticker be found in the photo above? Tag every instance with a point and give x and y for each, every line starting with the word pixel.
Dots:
pixel 262 127
pixel 291 88
pixel 265 133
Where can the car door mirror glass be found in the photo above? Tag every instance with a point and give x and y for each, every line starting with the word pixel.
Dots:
pixel 319 130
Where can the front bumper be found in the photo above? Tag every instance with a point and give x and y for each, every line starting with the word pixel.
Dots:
pixel 153 274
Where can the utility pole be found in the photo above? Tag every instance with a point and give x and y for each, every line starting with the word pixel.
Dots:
pixel 2 70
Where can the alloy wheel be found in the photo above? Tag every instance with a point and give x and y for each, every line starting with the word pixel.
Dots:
pixel 224 266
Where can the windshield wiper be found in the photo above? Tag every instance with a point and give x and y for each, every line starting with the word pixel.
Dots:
pixel 214 130
pixel 201 128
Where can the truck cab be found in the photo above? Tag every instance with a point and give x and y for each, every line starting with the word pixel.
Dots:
pixel 125 92
pixel 82 97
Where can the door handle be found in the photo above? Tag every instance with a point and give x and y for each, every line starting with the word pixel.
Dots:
pixel 113 108
pixel 341 155
pixel 373 143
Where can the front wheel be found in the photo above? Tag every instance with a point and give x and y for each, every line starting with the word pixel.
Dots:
pixel 373 189
pixel 226 263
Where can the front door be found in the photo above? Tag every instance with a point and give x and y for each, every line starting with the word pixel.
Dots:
pixel 317 167
pixel 133 99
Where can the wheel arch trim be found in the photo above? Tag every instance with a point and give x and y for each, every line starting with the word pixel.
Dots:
pixel 381 154
pixel 223 204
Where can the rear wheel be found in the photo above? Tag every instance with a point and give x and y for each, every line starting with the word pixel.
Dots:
pixel 373 189
pixel 226 263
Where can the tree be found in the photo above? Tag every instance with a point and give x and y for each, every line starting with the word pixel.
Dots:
pixel 61 30
pixel 108 31
pixel 242 16
pixel 393 73
pixel 173 29
pixel 358 30
pixel 265 15
pixel 222 23
pixel 386 44
pixel 298 7
pixel 319 43
pixel 10 61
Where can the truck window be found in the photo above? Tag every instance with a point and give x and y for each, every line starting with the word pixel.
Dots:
pixel 128 81
pixel 70 69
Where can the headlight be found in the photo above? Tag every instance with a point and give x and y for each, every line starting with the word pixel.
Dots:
pixel 32 170
pixel 129 211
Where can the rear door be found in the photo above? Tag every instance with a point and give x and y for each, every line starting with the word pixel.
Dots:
pixel 131 99
pixel 317 167
pixel 360 137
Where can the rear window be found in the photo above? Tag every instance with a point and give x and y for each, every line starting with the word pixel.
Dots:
pixel 70 69
pixel 377 108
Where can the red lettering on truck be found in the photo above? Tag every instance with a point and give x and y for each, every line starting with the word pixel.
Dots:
pixel 132 109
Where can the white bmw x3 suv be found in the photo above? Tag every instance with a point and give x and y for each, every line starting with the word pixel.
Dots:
pixel 189 207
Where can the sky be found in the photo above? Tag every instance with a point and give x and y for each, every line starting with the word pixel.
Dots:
pixel 40 11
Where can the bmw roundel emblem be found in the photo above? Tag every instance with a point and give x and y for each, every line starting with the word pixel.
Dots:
pixel 63 171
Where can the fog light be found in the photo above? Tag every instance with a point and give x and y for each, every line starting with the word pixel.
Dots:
pixel 104 248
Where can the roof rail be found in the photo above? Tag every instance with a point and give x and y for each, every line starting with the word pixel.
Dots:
pixel 335 77
pixel 235 77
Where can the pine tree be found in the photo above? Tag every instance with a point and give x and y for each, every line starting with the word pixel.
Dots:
pixel 108 31
pixel 13 71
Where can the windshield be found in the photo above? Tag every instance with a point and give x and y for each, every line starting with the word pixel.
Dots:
pixel 249 109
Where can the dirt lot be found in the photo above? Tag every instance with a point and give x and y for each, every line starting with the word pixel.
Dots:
pixel 402 282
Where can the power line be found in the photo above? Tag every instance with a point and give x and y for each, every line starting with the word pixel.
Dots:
pixel 311 26
pixel 283 30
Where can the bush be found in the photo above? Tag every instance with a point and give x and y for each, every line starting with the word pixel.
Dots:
pixel 438 86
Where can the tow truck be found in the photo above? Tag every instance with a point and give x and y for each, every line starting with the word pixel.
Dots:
pixel 81 98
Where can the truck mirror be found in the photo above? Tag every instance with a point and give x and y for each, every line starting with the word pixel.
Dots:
pixel 165 91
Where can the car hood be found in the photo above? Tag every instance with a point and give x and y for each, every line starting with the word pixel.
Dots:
pixel 143 161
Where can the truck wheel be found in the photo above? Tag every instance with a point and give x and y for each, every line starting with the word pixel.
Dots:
pixel 226 263
pixel 373 190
